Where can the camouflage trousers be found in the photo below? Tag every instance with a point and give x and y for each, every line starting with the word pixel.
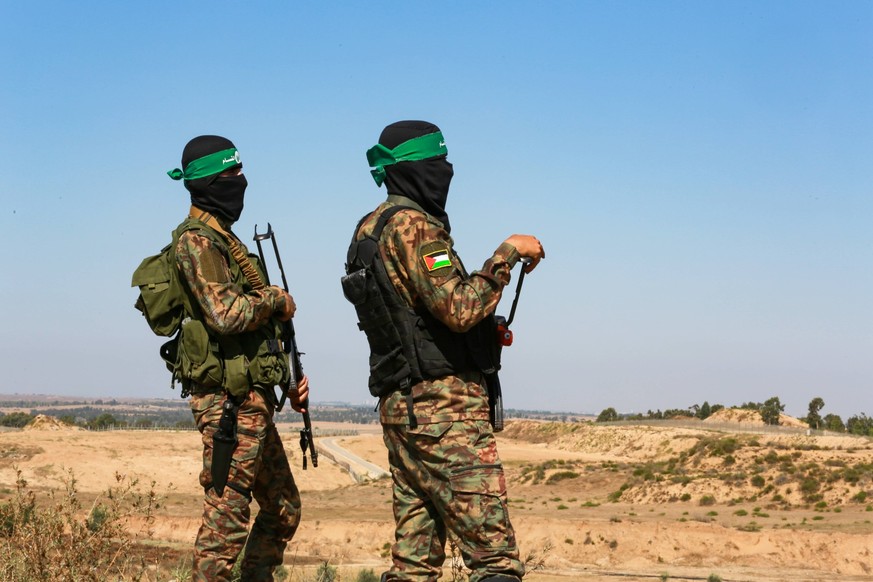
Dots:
pixel 447 479
pixel 259 469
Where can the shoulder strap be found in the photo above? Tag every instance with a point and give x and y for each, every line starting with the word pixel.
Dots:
pixel 249 271
pixel 366 252
pixel 385 217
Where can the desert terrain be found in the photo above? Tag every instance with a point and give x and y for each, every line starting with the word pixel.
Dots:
pixel 589 501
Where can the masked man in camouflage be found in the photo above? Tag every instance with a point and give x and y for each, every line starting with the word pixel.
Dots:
pixel 229 361
pixel 447 476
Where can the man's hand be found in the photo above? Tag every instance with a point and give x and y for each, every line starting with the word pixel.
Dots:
pixel 299 398
pixel 288 305
pixel 528 246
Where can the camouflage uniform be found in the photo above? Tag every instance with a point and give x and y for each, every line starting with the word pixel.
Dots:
pixel 447 476
pixel 259 467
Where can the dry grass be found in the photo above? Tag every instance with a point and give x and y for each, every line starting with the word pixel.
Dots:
pixel 59 539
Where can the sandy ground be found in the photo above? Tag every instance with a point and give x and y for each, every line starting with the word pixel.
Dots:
pixel 569 524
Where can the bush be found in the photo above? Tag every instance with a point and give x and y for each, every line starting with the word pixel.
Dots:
pixel 53 542
pixel 97 519
pixel 326 573
pixel 15 419
pixel 607 415
pixel 707 500
pixel 560 476
pixel 809 486
pixel 367 576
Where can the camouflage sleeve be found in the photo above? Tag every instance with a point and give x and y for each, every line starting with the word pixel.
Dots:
pixel 435 277
pixel 226 307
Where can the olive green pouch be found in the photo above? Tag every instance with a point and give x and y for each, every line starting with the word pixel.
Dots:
pixel 199 361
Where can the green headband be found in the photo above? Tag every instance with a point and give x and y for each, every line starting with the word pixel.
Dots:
pixel 207 165
pixel 413 150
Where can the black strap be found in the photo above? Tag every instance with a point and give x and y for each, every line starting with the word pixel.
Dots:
pixel 380 224
pixel 361 252
pixel 385 217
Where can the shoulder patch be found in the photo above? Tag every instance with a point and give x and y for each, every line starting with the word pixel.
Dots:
pixel 436 257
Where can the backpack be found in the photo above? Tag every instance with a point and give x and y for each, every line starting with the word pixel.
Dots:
pixel 162 297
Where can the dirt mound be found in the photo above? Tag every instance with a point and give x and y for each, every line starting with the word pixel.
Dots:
pixel 605 442
pixel 750 417
pixel 43 422
pixel 534 431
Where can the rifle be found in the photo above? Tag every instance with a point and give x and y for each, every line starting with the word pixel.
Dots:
pixel 289 341
pixel 504 338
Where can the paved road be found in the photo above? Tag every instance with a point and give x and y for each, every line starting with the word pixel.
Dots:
pixel 358 465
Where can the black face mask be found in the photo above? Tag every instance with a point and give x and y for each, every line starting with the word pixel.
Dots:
pixel 426 182
pixel 219 195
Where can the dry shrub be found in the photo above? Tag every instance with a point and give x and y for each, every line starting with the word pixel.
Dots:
pixel 60 540
pixel 535 560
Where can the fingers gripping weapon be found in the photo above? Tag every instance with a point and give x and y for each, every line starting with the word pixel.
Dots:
pixel 504 338
pixel 289 341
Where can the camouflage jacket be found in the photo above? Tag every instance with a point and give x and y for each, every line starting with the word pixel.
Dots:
pixel 228 306
pixel 229 343
pixel 421 263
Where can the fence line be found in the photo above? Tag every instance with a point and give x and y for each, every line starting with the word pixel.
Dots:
pixel 117 427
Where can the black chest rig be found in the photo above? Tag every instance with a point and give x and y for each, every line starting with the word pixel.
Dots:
pixel 407 345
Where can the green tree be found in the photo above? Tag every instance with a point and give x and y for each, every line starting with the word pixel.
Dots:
pixel 678 413
pixel 814 419
pixel 608 415
pixel 861 424
pixel 705 411
pixel 771 410
pixel 102 421
pixel 68 419
pixel 834 422
pixel 15 419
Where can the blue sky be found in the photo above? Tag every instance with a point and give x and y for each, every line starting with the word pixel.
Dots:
pixel 699 174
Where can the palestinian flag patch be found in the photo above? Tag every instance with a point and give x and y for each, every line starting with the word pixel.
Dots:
pixel 437 261
pixel 436 256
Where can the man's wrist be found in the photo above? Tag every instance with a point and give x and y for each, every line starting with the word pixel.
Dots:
pixel 509 254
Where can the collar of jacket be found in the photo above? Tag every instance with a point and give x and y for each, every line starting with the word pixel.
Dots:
pixel 211 220
pixel 404 201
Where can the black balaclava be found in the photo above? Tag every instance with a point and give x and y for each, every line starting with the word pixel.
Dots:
pixel 219 195
pixel 425 182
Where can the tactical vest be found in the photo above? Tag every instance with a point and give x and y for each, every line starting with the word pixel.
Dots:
pixel 407 345
pixel 204 360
